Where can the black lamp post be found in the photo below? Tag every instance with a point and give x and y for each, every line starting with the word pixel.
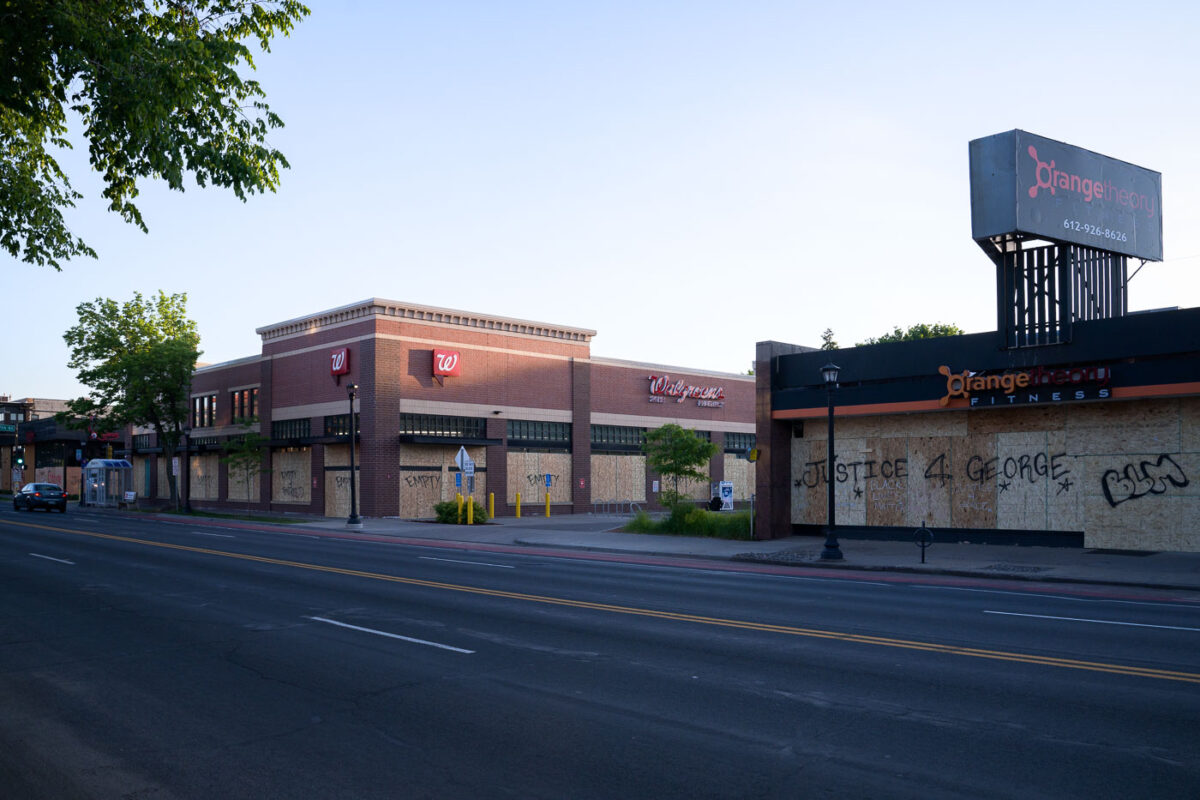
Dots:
pixel 832 551
pixel 353 521
pixel 187 471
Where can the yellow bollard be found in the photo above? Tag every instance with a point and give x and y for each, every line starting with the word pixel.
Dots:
pixel 518 505
pixel 471 510
pixel 547 504
pixel 491 505
pixel 459 496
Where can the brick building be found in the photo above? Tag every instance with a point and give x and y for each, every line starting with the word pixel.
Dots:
pixel 525 399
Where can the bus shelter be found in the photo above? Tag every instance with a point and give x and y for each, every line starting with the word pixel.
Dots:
pixel 105 481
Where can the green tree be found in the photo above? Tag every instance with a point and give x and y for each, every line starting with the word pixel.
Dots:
pixel 915 332
pixel 156 88
pixel 244 455
pixel 827 342
pixel 675 452
pixel 137 359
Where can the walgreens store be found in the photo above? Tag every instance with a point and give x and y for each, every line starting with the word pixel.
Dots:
pixel 526 400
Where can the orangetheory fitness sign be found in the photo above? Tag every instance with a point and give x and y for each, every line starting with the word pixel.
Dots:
pixel 1023 183
pixel 1037 385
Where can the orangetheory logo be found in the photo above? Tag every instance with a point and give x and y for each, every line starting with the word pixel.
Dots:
pixel 1047 177
pixel 961 384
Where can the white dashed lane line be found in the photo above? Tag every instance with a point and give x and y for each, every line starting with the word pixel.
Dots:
pixel 391 635
pixel 52 558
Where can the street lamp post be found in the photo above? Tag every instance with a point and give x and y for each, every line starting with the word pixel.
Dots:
pixel 832 551
pixel 187 471
pixel 353 521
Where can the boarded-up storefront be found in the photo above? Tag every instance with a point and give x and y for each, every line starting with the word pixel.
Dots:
pixel 1122 472
pixel 618 478
pixel 427 477
pixel 337 480
pixel 291 475
pixel 203 480
pixel 527 473
pixel 740 472
pixel 164 477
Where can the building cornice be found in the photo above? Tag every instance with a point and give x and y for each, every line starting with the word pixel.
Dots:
pixel 390 309
pixel 644 365
pixel 237 362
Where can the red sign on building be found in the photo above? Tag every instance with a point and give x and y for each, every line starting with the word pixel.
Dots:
pixel 339 361
pixel 447 362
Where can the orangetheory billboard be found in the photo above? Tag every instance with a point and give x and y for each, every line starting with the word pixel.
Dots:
pixel 1022 183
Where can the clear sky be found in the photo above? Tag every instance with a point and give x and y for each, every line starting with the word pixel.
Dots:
pixel 686 178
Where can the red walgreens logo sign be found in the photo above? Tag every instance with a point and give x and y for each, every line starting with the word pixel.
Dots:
pixel 447 362
pixel 339 361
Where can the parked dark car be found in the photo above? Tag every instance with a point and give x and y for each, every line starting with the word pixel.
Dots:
pixel 40 495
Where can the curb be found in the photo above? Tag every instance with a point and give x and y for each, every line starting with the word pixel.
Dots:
pixel 970 573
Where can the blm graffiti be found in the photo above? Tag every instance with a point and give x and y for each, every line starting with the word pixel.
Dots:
pixel 1140 479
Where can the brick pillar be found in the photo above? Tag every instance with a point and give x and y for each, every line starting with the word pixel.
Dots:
pixel 716 465
pixel 581 436
pixel 497 465
pixel 379 361
pixel 773 470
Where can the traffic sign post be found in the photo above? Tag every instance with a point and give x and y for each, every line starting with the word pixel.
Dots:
pixel 923 538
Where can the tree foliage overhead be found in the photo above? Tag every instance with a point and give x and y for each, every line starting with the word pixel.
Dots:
pixel 137 359
pixel 156 86
pixel 675 452
pixel 827 340
pixel 915 332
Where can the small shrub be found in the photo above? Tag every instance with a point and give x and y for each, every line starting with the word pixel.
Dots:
pixel 690 520
pixel 641 523
pixel 447 512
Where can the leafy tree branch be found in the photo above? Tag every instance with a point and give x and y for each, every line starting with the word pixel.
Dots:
pixel 157 88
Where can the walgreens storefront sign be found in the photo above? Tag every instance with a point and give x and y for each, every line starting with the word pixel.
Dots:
pixel 662 387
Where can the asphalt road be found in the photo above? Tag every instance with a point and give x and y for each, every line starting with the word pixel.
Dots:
pixel 142 659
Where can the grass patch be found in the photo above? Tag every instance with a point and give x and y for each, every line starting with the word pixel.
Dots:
pixel 687 520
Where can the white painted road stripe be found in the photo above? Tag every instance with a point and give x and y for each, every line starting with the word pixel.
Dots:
pixel 52 558
pixel 231 536
pixel 1002 591
pixel 1098 621
pixel 476 563
pixel 390 635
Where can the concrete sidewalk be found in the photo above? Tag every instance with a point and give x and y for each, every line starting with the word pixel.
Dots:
pixel 1173 571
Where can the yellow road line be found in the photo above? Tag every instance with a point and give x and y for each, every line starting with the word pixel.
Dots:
pixel 883 641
